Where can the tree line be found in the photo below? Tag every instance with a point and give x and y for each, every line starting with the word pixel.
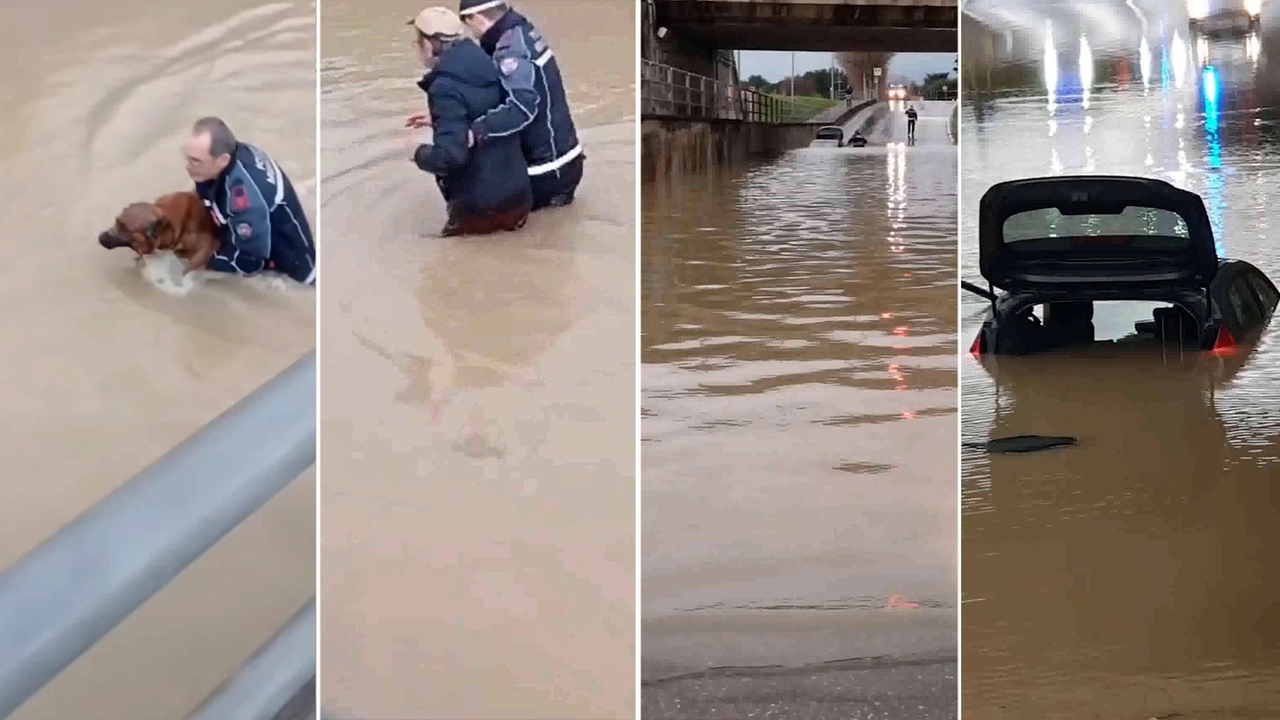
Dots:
pixel 818 82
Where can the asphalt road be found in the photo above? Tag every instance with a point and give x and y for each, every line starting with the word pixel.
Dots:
pixel 921 687
pixel 801 665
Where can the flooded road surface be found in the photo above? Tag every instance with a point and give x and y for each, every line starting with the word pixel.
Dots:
pixel 478 401
pixel 886 122
pixel 799 399
pixel 105 372
pixel 1131 576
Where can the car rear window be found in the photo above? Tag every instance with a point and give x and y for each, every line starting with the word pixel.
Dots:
pixel 1136 223
pixel 830 134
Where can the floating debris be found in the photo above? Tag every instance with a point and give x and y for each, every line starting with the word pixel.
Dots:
pixel 1023 443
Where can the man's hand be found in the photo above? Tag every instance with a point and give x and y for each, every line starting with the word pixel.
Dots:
pixel 418 121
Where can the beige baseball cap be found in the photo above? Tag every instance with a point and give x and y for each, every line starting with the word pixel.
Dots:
pixel 438 20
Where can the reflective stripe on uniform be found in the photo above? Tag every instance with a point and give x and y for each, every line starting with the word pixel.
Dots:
pixel 557 163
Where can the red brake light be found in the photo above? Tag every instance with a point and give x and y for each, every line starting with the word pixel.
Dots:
pixel 976 348
pixel 1225 341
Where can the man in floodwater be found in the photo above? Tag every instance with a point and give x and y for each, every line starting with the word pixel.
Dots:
pixel 535 106
pixel 485 184
pixel 911 122
pixel 261 222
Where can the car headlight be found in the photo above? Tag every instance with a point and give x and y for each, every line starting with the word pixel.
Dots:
pixel 1253 7
pixel 1197 9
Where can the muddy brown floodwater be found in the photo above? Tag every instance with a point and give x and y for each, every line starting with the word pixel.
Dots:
pixel 799 430
pixel 103 372
pixel 1133 575
pixel 478 402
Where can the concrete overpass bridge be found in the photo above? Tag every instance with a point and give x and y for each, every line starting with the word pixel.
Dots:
pixel 814 25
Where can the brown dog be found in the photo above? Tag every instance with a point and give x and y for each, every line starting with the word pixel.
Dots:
pixel 177 221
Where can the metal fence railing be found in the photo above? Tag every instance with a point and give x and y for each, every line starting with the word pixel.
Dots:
pixel 670 92
pixel 942 93
pixel 61 598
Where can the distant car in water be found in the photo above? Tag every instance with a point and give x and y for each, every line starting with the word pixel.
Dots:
pixel 1224 18
pixel 897 92
pixel 1066 242
pixel 829 136
pixel 833 136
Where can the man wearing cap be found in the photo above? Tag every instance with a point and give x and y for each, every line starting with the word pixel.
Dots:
pixel 486 187
pixel 535 107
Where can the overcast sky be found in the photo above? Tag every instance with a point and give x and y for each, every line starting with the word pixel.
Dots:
pixel 776 65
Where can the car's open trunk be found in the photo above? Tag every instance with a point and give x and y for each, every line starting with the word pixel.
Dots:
pixel 1080 235
pixel 830 132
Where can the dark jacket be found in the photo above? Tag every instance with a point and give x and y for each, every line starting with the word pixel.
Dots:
pixel 261 222
pixel 492 176
pixel 535 106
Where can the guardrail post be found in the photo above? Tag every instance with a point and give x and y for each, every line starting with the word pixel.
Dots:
pixel 59 599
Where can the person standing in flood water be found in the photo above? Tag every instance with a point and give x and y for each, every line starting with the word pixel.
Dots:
pixel 486 186
pixel 536 107
pixel 251 200
pixel 912 116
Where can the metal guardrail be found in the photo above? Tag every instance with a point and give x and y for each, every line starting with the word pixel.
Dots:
pixel 61 598
pixel 667 91
pixel 272 677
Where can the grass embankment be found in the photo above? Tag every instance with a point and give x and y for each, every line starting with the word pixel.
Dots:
pixel 806 106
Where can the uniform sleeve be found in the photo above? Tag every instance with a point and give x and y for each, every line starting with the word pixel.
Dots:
pixel 519 75
pixel 246 246
pixel 447 151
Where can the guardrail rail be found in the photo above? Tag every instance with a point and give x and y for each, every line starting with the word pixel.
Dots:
pixel 62 597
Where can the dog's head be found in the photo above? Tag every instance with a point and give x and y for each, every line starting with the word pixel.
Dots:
pixel 140 227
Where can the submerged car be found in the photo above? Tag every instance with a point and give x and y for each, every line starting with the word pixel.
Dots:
pixel 1064 243
pixel 1224 18
pixel 829 135
pixel 833 136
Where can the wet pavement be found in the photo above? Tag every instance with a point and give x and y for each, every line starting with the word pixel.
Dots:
pixel 478 402
pixel 106 371
pixel 798 352
pixel 1132 575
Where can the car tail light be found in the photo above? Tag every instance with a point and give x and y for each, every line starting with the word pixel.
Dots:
pixel 978 347
pixel 1225 341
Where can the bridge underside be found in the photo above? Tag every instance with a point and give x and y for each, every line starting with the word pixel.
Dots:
pixel 814 26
